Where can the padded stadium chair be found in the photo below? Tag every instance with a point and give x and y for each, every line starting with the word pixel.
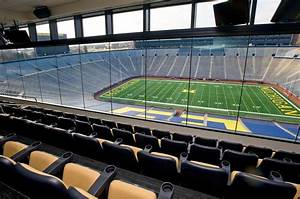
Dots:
pixel 159 165
pixel 103 132
pixel 142 130
pixel 206 141
pixel 126 127
pixel 126 136
pixel 83 127
pixel 290 171
pixel 224 145
pixel 119 189
pixel 123 156
pixel 259 151
pixel 48 163
pixel 70 116
pixel 7 171
pixel 60 138
pixel 240 161
pixel 161 134
pixel 35 116
pixel 249 186
pixel 18 151
pixel 87 146
pixel 181 137
pixel 205 178
pixel 95 121
pixel 53 112
pixel 66 123
pixel 281 155
pixel 82 118
pixel 206 154
pixel 77 182
pixel 110 124
pixel 173 147
pixel 143 140
pixel 34 130
pixel 50 119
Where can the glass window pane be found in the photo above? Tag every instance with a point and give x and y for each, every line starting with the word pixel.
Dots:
pixel 173 17
pixel 66 29
pixel 26 29
pixel 265 10
pixel 128 22
pixel 205 14
pixel 43 32
pixel 93 26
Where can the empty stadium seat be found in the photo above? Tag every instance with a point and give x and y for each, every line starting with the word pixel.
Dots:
pixel 83 127
pixel 281 155
pixel 7 170
pixel 205 178
pixel 119 189
pixel 248 186
pixel 143 140
pixel 182 137
pixel 290 171
pixel 240 161
pixel 66 123
pixel 173 147
pixel 103 132
pixel 224 145
pixel 205 154
pixel 259 151
pixel 87 146
pixel 159 165
pixel 126 127
pixel 82 118
pixel 18 151
pixel 77 182
pixel 126 136
pixel 123 156
pixel 70 116
pixel 206 141
pixel 143 130
pixel 110 124
pixel 161 134
pixel 50 119
pixel 95 121
pixel 60 137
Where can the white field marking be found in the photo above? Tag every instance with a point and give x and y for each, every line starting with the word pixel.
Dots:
pixel 207 108
pixel 285 99
pixel 285 130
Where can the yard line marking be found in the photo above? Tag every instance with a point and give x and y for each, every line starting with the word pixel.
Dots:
pixel 285 99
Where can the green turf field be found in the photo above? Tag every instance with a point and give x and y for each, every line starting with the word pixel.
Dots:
pixel 206 97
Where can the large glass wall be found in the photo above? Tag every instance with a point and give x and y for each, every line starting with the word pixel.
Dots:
pixel 240 84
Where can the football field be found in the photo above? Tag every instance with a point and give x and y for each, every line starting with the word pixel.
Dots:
pixel 259 101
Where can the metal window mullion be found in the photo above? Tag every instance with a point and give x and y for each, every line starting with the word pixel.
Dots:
pixel 109 22
pixel 146 18
pixel 78 26
pixel 32 32
pixel 53 30
pixel 193 15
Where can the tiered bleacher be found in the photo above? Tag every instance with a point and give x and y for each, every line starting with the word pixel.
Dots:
pixel 218 168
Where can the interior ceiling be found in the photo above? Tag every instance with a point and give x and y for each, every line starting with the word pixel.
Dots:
pixel 21 10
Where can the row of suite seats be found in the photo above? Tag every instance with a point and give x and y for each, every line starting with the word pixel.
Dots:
pixel 131 156
pixel 38 174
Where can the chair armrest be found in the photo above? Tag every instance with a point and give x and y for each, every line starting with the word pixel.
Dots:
pixel 94 135
pixel 226 166
pixel 25 152
pixel 166 191
pixel 148 148
pixel 183 157
pixel 59 164
pixel 275 176
pixel 102 183
pixel 6 138
pixel 118 141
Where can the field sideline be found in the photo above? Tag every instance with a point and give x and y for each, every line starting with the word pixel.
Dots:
pixel 206 97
